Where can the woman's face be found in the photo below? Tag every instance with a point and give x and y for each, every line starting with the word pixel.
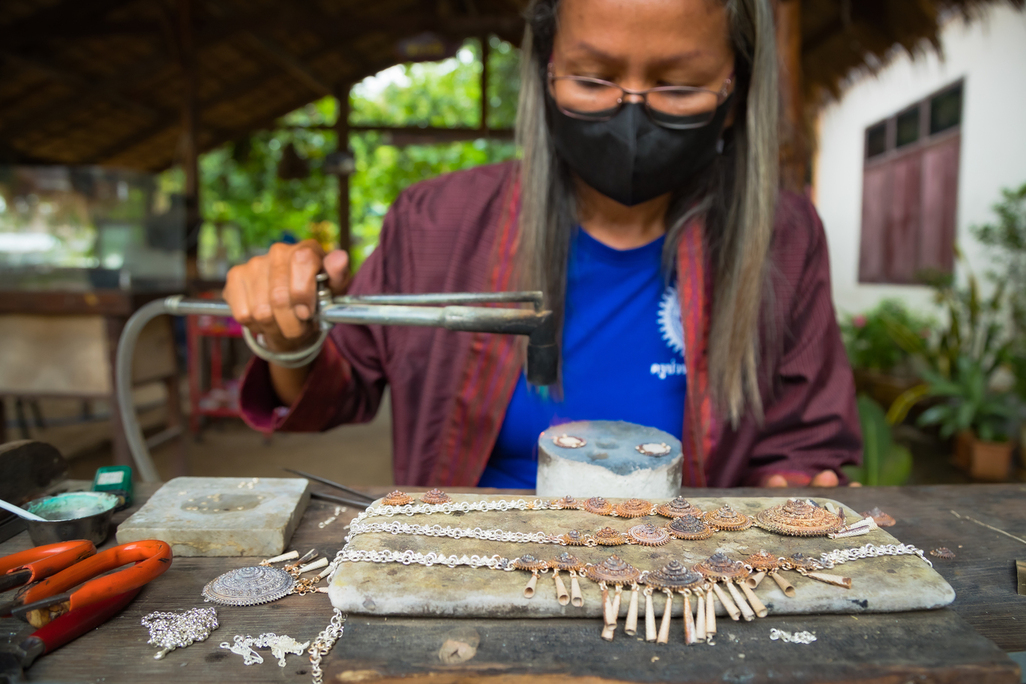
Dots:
pixel 640 44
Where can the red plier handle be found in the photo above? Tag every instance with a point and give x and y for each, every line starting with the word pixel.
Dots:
pixel 48 599
pixel 41 562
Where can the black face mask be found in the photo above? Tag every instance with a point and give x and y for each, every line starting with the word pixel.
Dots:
pixel 631 159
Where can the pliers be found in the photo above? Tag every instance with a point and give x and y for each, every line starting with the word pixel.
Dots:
pixel 16 658
pixel 49 598
pixel 41 562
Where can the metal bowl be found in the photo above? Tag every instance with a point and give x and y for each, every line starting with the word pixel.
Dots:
pixel 76 515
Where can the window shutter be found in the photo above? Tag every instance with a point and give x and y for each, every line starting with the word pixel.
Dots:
pixel 940 205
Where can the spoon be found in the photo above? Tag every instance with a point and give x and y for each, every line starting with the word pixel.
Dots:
pixel 20 512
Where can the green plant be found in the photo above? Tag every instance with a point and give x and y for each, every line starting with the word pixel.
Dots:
pixel 974 327
pixel 869 342
pixel 884 462
pixel 969 403
pixel 1007 237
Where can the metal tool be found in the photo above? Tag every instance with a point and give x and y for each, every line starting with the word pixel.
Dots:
pixel 452 311
pixel 362 500
pixel 41 562
pixel 50 598
pixel 16 658
pixel 20 512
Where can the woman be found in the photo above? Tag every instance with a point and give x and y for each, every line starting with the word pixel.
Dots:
pixel 691 294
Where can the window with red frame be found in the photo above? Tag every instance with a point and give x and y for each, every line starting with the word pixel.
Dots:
pixel 910 191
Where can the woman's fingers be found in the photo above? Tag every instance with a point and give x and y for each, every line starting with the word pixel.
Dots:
pixel 827 478
pixel 305 264
pixel 336 265
pixel 775 481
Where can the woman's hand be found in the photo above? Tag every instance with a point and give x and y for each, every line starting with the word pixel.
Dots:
pixel 274 295
pixel 827 478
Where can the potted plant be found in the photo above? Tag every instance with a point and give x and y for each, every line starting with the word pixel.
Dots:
pixel 1006 238
pixel 883 461
pixel 975 415
pixel 883 369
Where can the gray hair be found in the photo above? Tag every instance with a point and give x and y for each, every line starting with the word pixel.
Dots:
pixel 736 198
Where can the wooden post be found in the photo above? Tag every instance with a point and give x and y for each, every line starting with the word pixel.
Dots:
pixel 793 144
pixel 484 82
pixel 190 123
pixel 342 131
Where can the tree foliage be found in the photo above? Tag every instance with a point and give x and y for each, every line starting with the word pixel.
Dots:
pixel 242 186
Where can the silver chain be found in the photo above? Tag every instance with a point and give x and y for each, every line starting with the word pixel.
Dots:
pixel 169 631
pixel 458 507
pixel 410 557
pixel 359 527
pixel 839 556
pixel 323 644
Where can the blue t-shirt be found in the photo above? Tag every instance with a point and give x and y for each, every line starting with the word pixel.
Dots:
pixel 623 357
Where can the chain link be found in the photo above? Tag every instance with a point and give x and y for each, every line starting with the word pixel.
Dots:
pixel 410 557
pixel 839 556
pixel 323 644
pixel 459 507
pixel 359 527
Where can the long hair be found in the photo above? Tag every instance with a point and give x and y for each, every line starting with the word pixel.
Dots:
pixel 736 198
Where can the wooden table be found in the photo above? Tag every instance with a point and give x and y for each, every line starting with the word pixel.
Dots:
pixel 963 643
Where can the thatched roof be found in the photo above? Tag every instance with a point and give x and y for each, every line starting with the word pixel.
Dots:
pixel 100 81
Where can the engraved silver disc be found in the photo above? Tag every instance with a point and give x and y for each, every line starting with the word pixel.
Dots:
pixel 249 586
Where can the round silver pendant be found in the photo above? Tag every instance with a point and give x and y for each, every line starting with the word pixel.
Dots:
pixel 654 448
pixel 569 441
pixel 249 586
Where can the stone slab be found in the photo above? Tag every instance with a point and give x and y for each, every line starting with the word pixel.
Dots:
pixel 609 464
pixel 892 583
pixel 221 516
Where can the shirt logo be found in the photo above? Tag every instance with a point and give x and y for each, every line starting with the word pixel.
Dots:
pixel 670 324
pixel 672 330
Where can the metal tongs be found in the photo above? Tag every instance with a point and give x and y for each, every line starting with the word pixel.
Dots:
pixel 361 501
pixel 451 311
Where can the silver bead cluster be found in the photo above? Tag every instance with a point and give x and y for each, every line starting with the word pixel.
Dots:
pixel 169 631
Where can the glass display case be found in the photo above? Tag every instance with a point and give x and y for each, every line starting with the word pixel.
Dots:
pixel 89 227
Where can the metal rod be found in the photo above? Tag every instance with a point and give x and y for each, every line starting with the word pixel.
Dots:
pixel 330 483
pixel 340 500
pixel 539 326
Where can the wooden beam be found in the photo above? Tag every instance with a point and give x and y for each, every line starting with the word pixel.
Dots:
pixel 291 64
pixel 342 145
pixel 794 163
pixel 483 124
pixel 64 13
pixel 219 135
pixel 190 132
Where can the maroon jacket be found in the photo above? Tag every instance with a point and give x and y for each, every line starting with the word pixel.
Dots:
pixel 450 390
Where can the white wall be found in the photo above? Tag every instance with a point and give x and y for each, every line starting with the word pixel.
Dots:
pixel 990 54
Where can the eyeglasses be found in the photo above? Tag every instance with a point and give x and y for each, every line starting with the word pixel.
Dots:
pixel 679 107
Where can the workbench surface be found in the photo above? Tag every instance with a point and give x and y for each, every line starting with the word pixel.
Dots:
pixel 962 643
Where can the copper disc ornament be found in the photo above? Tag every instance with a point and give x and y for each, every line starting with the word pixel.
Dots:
pixel 607 536
pixel 529 562
pixel 799 518
pixel 648 534
pixel 689 528
pixel 249 586
pixel 633 508
pixel 573 538
pixel 397 498
pixel 718 566
pixel 674 576
pixel 763 562
pixel 567 503
pixel 678 508
pixel 726 518
pixel 569 441
pixel 800 561
pixel 598 506
pixel 436 496
pixel 613 570
pixel 566 562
